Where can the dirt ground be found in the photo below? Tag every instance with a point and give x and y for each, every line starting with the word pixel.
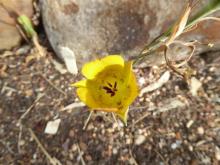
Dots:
pixel 165 126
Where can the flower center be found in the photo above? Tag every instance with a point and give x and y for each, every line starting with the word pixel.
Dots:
pixel 110 88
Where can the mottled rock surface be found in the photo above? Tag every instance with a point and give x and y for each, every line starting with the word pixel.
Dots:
pixel 91 29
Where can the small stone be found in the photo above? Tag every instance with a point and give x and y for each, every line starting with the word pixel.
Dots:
pixel 195 85
pixel 90 126
pixel 71 155
pixel 128 141
pixel 21 142
pixel 176 144
pixel 141 81
pixel 115 151
pixel 29 92
pixel 200 130
pixel 140 139
pixel 52 127
pixel 68 162
pixel 83 146
pixel 217 153
pixel 189 124
pixel 103 131
pixel 88 158
pixel 74 147
pixel 190 148
pixel 71 133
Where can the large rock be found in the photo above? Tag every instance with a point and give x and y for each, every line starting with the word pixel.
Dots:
pixel 85 29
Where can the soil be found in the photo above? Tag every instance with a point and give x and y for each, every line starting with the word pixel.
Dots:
pixel 166 126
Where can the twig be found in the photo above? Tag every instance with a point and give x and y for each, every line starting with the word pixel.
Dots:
pixel 52 160
pixel 40 49
pixel 55 87
pixel 170 65
pixel 190 45
pixel 73 105
pixel 113 115
pixel 19 123
pixel 29 109
pixel 141 118
pixel 134 161
pixel 80 155
pixel 162 158
pixel 137 108
pixel 7 146
pixel 87 120
pixel 19 138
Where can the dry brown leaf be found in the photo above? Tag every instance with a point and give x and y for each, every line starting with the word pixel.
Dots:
pixel 180 25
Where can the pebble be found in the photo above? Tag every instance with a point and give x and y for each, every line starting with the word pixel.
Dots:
pixel 71 133
pixel 90 126
pixel 83 146
pixel 190 148
pixel 115 151
pixel 217 153
pixel 74 147
pixel 88 158
pixel 140 139
pixel 21 142
pixel 200 130
pixel 128 141
pixel 189 124
pixel 68 162
pixel 141 81
pixel 176 144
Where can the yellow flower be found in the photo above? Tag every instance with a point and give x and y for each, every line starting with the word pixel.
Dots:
pixel 110 85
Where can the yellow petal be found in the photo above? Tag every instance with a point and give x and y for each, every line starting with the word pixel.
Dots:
pixel 86 96
pixel 81 83
pixel 91 69
pixel 127 71
pixel 123 114
pixel 107 109
pixel 133 89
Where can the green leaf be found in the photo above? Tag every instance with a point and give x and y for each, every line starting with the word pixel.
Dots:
pixel 27 26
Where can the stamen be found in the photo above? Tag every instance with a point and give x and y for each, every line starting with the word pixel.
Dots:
pixel 110 89
pixel 107 88
pixel 115 85
pixel 109 84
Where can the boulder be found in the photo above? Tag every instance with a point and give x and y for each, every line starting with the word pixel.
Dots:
pixel 81 30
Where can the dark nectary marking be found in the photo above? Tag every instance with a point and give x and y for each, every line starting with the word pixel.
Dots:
pixel 110 89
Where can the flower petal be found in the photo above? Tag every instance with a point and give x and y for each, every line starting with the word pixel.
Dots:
pixel 86 97
pixel 91 69
pixel 132 84
pixel 123 114
pixel 127 71
pixel 79 84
